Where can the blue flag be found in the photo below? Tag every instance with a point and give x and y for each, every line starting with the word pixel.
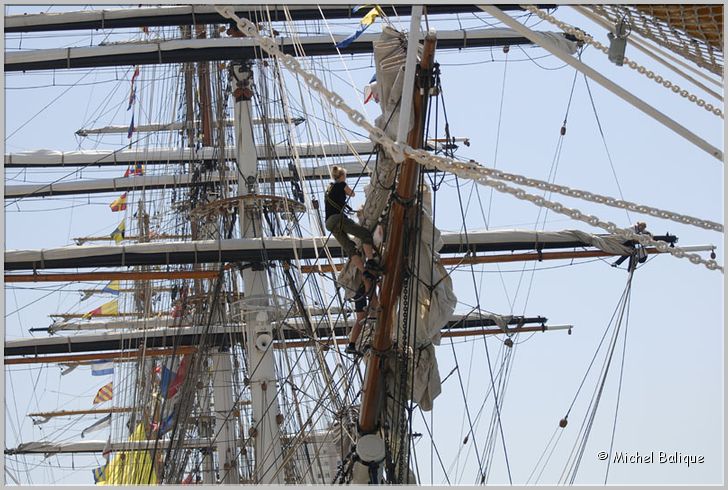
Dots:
pixel 167 376
pixel 112 288
pixel 365 22
pixel 102 368
pixel 131 127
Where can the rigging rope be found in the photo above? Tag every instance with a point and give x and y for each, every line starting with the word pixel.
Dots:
pixel 479 173
pixel 621 312
pixel 582 36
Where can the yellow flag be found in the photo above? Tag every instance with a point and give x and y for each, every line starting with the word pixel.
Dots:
pixel 131 467
pixel 370 17
pixel 119 204
pixel 110 308
pixel 112 287
pixel 118 233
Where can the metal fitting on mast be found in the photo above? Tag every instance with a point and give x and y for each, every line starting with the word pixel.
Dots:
pixel 618 41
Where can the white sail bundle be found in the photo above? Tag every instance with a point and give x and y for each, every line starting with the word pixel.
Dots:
pixel 284 247
pixel 52 158
pixel 436 299
pixel 435 303
pixel 169 51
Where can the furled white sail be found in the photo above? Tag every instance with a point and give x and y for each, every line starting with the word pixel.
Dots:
pixel 308 247
pixel 53 158
pixel 165 50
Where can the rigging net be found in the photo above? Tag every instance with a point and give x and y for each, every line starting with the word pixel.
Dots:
pixel 693 31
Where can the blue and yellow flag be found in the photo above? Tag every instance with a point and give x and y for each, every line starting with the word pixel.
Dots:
pixel 365 22
pixel 118 234
pixel 112 287
pixel 99 473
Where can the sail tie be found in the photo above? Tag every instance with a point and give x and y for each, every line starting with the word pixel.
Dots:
pixel 404 202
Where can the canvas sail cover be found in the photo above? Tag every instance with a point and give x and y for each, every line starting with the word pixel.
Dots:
pixel 435 299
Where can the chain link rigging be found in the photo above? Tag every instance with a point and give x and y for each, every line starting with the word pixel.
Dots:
pixel 471 170
pixel 582 36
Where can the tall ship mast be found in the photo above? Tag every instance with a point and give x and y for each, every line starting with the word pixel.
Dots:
pixel 323 244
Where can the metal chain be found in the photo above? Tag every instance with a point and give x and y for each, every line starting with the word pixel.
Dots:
pixel 582 36
pixel 599 199
pixel 471 170
pixel 404 359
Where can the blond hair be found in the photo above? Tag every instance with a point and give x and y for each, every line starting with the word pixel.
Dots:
pixel 337 172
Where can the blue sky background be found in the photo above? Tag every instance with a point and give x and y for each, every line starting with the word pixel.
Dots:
pixel 672 388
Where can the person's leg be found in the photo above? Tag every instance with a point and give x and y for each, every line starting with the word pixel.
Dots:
pixel 360 302
pixel 336 224
pixel 357 261
pixel 368 251
pixel 362 234
pixel 355 332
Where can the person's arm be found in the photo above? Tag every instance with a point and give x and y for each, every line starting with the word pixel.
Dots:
pixel 348 191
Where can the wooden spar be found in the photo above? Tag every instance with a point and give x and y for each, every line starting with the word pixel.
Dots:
pixel 495 259
pixel 119 356
pixel 341 340
pixel 112 275
pixel 121 290
pixel 393 259
pixel 95 315
pixel 206 14
pixel 93 411
pixel 83 239
pixel 127 356
pixel 307 269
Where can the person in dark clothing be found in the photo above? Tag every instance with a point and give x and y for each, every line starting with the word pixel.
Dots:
pixel 639 228
pixel 341 226
pixel 361 310
pixel 360 307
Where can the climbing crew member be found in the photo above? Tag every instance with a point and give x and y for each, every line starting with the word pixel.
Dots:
pixel 639 256
pixel 361 310
pixel 341 226
pixel 360 307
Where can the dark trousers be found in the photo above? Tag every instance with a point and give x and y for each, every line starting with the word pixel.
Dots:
pixel 341 226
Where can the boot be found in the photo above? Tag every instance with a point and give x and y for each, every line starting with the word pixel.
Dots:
pixel 373 266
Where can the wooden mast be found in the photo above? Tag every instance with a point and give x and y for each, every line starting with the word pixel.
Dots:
pixel 394 257
pixel 203 74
